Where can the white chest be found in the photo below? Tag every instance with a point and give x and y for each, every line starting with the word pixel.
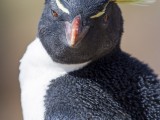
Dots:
pixel 36 71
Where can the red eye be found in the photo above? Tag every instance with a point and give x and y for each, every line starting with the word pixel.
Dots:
pixel 54 13
pixel 105 18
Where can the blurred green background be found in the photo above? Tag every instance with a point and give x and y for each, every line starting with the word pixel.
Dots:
pixel 18 26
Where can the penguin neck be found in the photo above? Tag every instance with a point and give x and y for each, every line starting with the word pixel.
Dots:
pixel 37 55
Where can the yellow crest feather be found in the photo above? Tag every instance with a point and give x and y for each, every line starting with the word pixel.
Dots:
pixel 141 2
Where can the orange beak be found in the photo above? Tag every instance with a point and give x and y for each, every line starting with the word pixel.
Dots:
pixel 74 31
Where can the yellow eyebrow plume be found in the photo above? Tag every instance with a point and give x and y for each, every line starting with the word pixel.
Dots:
pixel 61 6
pixel 101 12
pixel 137 2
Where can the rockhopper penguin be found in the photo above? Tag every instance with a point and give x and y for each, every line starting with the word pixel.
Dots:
pixel 76 70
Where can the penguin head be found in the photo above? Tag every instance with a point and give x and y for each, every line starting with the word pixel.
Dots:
pixel 77 31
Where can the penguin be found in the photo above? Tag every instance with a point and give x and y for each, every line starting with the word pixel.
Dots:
pixel 75 68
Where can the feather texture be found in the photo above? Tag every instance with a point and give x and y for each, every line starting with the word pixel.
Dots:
pixel 140 2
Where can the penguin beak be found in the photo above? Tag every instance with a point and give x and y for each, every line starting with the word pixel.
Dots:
pixel 75 32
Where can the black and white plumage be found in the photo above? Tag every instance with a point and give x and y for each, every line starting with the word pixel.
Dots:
pixel 75 69
pixel 114 88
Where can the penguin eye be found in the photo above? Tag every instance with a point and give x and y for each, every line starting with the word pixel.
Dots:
pixel 54 13
pixel 105 18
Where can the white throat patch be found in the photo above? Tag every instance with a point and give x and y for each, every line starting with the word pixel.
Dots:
pixel 61 6
pixel 37 70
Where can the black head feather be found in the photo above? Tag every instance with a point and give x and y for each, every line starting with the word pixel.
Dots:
pixel 101 39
